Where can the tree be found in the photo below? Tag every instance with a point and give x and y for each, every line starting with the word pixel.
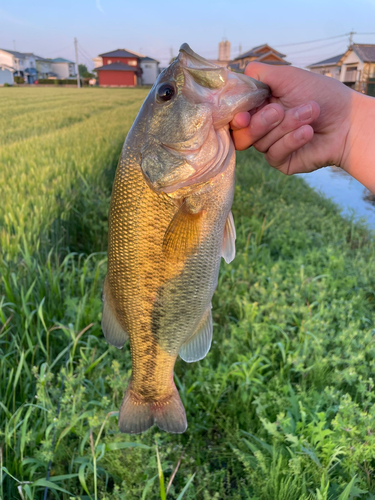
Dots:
pixel 84 72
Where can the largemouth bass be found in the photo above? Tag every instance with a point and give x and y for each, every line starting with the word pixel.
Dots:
pixel 169 225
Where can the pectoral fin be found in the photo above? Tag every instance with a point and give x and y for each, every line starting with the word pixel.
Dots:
pixel 199 344
pixel 183 233
pixel 113 332
pixel 228 249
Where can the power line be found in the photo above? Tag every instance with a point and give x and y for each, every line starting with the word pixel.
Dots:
pixel 313 41
pixel 85 51
pixel 316 48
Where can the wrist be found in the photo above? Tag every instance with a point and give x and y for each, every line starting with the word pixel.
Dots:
pixel 358 158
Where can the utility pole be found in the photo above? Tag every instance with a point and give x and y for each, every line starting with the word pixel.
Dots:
pixel 351 38
pixel 78 78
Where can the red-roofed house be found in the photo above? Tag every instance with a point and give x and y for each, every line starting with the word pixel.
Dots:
pixel 120 68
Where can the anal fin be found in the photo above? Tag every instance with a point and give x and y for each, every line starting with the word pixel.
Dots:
pixel 199 344
pixel 113 331
pixel 228 249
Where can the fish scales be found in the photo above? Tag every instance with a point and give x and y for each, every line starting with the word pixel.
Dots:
pixel 167 223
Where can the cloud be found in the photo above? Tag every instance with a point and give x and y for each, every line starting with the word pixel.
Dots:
pixel 98 6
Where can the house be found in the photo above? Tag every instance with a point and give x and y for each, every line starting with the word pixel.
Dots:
pixel 22 63
pixel 328 67
pixel 150 70
pixel 44 67
pixel 355 68
pixel 262 53
pixel 358 66
pixel 6 74
pixel 121 68
pixel 63 68
pixel 142 70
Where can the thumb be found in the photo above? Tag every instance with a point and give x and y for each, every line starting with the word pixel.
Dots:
pixel 274 76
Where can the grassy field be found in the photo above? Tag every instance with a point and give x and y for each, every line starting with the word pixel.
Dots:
pixel 282 408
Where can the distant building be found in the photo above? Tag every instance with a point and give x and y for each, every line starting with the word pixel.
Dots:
pixel 224 54
pixel 6 74
pixel 22 63
pixel 63 68
pixel 121 68
pixel 150 70
pixel 355 68
pixel 224 50
pixel 358 66
pixel 262 53
pixel 44 67
pixel 125 68
pixel 328 67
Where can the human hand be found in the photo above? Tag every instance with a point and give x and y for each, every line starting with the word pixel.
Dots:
pixel 303 126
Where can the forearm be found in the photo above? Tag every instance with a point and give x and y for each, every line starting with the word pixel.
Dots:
pixel 359 152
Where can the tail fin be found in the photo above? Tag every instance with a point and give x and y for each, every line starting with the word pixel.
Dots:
pixel 137 416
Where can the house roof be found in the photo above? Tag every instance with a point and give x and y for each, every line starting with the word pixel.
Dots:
pixel 43 59
pixel 120 53
pixel 117 66
pixel 332 61
pixel 150 59
pixel 365 51
pixel 17 54
pixel 254 52
pixel 62 60
pixel 264 56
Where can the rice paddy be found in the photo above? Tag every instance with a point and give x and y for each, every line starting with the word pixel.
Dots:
pixel 282 408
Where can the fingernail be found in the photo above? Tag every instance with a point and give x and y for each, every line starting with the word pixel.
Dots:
pixel 270 116
pixel 304 112
pixel 299 134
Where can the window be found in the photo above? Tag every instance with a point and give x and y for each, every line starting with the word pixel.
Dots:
pixel 109 61
pixel 148 66
pixel 132 63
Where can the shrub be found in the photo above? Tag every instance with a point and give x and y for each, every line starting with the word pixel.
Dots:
pixel 19 79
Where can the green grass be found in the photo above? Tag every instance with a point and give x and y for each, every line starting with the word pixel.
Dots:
pixel 282 408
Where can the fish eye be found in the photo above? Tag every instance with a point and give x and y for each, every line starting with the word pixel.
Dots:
pixel 166 91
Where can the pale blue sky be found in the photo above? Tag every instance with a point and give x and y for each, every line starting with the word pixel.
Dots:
pixel 153 27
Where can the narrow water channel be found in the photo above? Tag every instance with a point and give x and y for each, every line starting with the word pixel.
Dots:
pixel 353 198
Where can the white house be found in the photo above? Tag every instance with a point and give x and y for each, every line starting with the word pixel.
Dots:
pixel 22 63
pixel 63 68
pixel 355 68
pixel 6 74
pixel 358 65
pixel 150 70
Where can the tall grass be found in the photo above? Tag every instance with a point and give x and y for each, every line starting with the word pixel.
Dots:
pixel 282 406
